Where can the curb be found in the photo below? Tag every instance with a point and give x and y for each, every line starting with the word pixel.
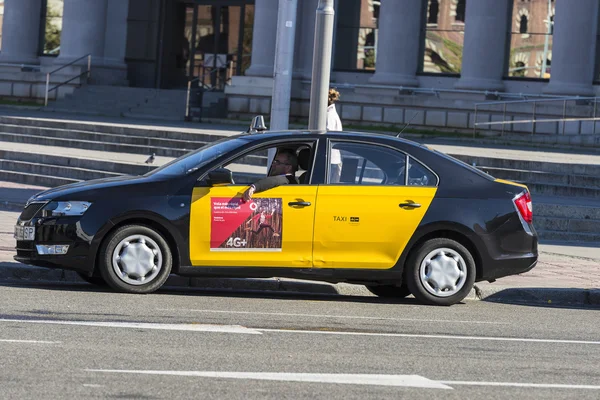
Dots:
pixel 13 272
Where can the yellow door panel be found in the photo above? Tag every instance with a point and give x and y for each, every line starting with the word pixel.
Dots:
pixel 364 226
pixel 265 232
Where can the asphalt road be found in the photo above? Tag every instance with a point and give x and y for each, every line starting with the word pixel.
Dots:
pixel 77 341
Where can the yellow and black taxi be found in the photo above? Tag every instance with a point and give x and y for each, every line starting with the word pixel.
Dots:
pixel 370 209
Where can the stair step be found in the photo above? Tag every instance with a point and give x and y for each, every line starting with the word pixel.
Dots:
pixel 525 165
pixel 139 140
pixel 94 145
pixel 544 177
pixel 569 236
pixel 34 179
pixel 565 224
pixel 73 162
pixel 58 171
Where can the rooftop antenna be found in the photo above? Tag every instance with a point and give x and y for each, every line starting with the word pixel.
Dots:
pixel 405 126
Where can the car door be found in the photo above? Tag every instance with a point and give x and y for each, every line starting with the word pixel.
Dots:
pixel 273 229
pixel 368 210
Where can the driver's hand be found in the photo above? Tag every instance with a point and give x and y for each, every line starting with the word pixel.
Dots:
pixel 249 192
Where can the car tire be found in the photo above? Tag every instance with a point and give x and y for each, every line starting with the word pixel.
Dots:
pixel 440 272
pixel 135 259
pixel 93 280
pixel 390 291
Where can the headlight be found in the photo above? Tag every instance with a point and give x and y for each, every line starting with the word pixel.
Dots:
pixel 65 208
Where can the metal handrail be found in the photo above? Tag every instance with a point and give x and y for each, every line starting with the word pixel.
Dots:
pixel 32 66
pixel 88 72
pixel 437 91
pixel 187 100
pixel 533 119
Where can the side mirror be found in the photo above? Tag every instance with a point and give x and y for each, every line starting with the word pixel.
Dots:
pixel 257 125
pixel 219 176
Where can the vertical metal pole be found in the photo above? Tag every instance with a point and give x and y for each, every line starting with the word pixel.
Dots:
pixel 283 67
pixel 284 64
pixel 564 116
pixel 533 119
pixel 475 121
pixel 594 115
pixel 548 31
pixel 47 88
pixel 321 71
pixel 89 71
pixel 187 101
pixel 503 120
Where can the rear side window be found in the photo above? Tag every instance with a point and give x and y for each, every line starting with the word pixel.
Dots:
pixel 419 175
pixel 371 164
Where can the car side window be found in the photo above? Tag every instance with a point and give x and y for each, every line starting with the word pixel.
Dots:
pixel 365 164
pixel 254 165
pixel 419 175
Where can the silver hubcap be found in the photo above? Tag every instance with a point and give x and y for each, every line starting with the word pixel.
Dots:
pixel 443 272
pixel 137 260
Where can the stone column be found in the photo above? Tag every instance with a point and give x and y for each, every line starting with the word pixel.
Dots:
pixel 84 27
pixel 398 55
pixel 21 31
pixel 574 48
pixel 484 59
pixel 305 38
pixel 115 42
pixel 264 38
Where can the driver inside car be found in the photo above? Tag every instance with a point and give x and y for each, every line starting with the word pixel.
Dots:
pixel 283 172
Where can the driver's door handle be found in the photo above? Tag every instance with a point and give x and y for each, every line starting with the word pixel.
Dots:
pixel 299 203
pixel 410 205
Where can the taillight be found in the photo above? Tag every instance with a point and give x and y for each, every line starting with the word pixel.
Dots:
pixel 524 206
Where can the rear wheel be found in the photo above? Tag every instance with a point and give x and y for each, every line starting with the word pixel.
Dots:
pixel 390 291
pixel 440 272
pixel 135 259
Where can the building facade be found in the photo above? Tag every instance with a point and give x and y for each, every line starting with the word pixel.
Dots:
pixel 381 47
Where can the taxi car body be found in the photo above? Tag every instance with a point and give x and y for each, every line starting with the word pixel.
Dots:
pixel 369 209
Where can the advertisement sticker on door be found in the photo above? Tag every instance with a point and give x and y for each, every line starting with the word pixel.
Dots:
pixel 256 225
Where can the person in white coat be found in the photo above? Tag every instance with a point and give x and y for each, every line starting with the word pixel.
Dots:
pixel 334 124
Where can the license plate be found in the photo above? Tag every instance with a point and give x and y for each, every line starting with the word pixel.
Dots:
pixel 25 233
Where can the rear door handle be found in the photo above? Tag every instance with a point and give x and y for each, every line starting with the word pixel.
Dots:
pixel 299 203
pixel 410 205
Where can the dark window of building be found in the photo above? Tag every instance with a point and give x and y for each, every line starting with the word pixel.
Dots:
pixel 531 36
pixel 356 35
pixel 461 10
pixel 444 38
pixel 434 8
pixel 52 27
pixel 523 24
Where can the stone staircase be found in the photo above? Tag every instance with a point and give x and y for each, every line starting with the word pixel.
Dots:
pixel 139 103
pixel 566 197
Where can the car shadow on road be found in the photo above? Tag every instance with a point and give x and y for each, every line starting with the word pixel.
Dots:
pixel 572 298
pixel 71 286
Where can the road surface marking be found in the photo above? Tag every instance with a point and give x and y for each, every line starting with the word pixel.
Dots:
pixel 92 385
pixel 525 385
pixel 334 316
pixel 351 379
pixel 414 335
pixel 28 341
pixel 144 325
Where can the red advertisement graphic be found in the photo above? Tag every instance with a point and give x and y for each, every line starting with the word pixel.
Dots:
pixel 255 225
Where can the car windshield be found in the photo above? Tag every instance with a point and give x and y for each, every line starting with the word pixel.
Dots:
pixel 198 158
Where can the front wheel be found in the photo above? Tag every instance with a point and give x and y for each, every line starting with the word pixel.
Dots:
pixel 440 272
pixel 135 259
